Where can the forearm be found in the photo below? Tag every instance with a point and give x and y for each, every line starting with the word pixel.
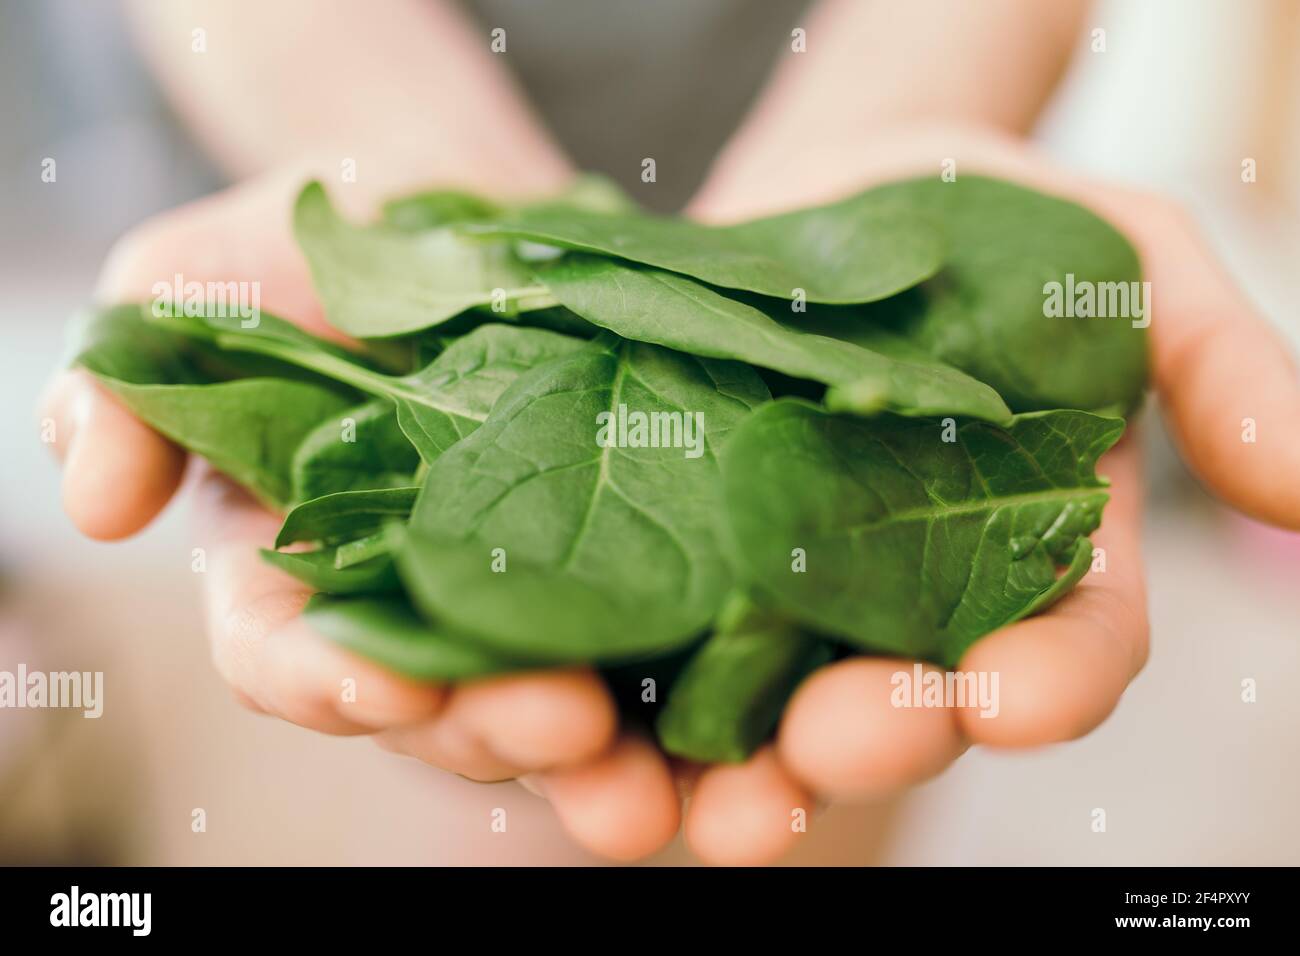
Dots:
pixel 406 89
pixel 872 64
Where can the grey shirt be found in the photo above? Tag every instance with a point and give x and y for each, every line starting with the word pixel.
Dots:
pixel 619 81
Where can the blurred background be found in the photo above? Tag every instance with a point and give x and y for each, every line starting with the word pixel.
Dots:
pixel 1187 772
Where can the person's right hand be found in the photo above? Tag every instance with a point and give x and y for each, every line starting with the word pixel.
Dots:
pixel 118 475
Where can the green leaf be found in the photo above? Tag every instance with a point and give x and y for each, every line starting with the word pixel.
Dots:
pixel 860 249
pixel 731 693
pixel 911 544
pixel 379 455
pixel 610 551
pixel 535 609
pixel 449 397
pixel 362 549
pixel 377 281
pixel 440 207
pixel 213 323
pixel 387 631
pixel 984 312
pixel 650 305
pixel 247 428
pixel 345 516
pixel 316 570
pixel 436 207
pixel 592 192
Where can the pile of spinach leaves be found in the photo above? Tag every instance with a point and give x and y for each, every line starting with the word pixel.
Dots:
pixel 893 450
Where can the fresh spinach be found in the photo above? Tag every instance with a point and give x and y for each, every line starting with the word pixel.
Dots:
pixel 984 313
pixel 360 449
pixel 247 428
pixel 860 249
pixel 910 536
pixel 441 207
pixel 377 281
pixel 559 443
pixel 317 569
pixel 730 695
pixel 435 208
pixel 386 630
pixel 595 538
pixel 649 305
pixel 449 397
pixel 345 516
pixel 362 549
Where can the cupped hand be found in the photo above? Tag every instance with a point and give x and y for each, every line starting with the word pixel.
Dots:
pixel 118 475
pixel 1215 365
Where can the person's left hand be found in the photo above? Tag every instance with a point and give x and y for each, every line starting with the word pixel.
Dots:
pixel 1214 363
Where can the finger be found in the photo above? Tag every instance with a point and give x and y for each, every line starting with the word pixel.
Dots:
pixel 1060 674
pixel 747 814
pixel 263 647
pixel 845 738
pixel 539 720
pixel 449 746
pixel 622 805
pixel 1226 379
pixel 117 472
pixel 501 727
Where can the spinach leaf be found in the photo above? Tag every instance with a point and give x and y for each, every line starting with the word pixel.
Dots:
pixel 609 551
pixel 362 549
pixel 386 630
pixel 215 324
pixel 883 533
pixel 592 192
pixel 247 428
pixel 650 305
pixel 536 610
pixel 439 207
pixel 345 516
pixel 378 281
pixel 449 397
pixel 436 207
pixel 378 454
pixel 984 312
pixel 317 570
pixel 731 693
pixel 860 249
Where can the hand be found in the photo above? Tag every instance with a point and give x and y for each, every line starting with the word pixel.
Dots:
pixel 119 474
pixel 1214 363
